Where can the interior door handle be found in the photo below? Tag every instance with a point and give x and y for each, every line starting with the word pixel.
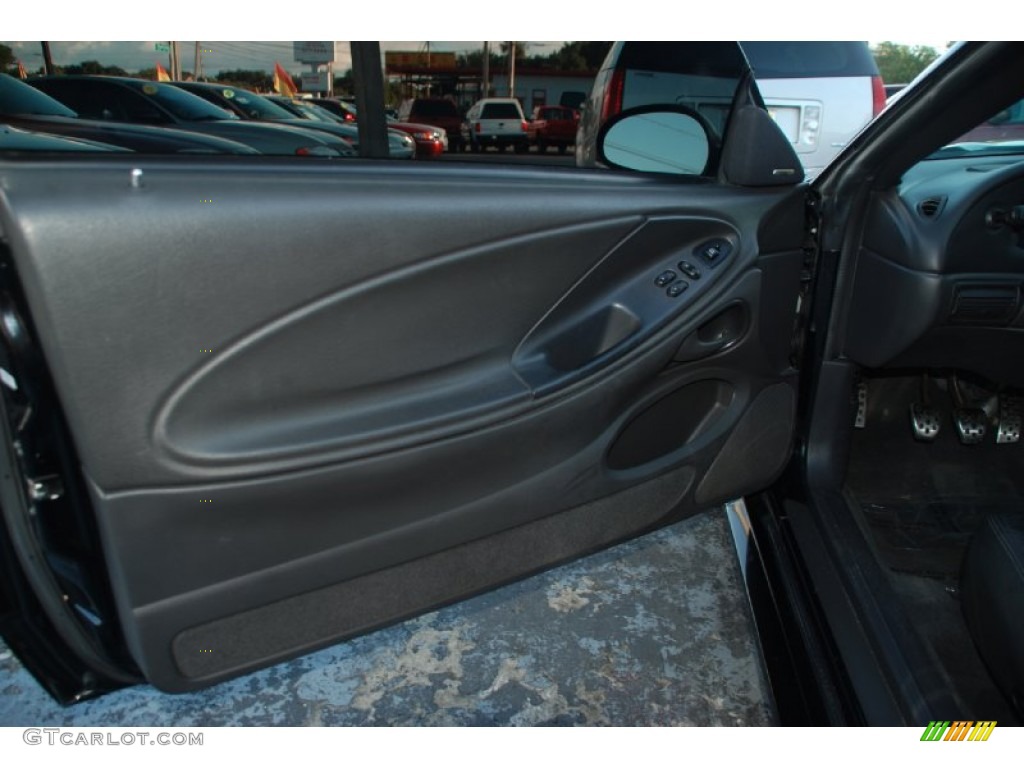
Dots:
pixel 719 333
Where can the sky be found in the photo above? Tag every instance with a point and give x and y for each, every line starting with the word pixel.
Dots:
pixel 121 20
pixel 223 55
pixel 217 55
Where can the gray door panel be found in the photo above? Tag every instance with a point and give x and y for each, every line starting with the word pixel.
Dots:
pixel 376 378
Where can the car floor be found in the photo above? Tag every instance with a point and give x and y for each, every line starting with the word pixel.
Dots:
pixel 656 631
pixel 920 503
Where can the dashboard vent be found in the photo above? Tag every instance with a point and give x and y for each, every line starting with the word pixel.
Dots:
pixel 931 207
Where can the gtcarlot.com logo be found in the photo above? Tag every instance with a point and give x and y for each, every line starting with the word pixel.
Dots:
pixel 958 730
pixel 72 737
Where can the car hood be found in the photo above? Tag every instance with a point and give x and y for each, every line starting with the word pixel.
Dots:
pixel 20 140
pixel 268 138
pixel 415 127
pixel 141 138
pixel 400 144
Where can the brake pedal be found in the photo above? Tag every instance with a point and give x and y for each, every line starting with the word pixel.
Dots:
pixel 924 421
pixel 971 424
pixel 1008 428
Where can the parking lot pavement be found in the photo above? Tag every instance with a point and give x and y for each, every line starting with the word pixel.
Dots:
pixel 656 631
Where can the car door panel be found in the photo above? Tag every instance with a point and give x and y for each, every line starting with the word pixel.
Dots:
pixel 332 397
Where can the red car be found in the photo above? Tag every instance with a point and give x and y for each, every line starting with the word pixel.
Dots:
pixel 553 126
pixel 430 140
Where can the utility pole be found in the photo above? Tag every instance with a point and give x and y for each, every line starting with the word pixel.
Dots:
pixel 47 60
pixel 175 61
pixel 369 80
pixel 195 69
pixel 511 70
pixel 486 84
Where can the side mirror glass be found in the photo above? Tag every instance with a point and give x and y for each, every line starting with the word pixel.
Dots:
pixel 660 139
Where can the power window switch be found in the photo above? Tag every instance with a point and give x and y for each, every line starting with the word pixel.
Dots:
pixel 689 270
pixel 665 278
pixel 677 288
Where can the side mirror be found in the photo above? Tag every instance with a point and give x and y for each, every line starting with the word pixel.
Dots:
pixel 662 138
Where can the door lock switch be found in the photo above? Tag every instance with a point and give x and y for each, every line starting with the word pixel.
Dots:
pixel 714 251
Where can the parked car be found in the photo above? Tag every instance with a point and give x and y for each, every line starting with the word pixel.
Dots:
pixel 553 127
pixel 439 112
pixel 25 107
pixel 346 110
pixel 17 140
pixel 572 99
pixel 403 144
pixel 253 106
pixel 891 89
pixel 495 123
pixel 248 410
pixel 821 94
pixel 131 100
pixel 431 141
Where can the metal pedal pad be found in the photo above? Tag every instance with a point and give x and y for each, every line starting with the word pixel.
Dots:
pixel 1008 429
pixel 861 419
pixel 971 424
pixel 924 421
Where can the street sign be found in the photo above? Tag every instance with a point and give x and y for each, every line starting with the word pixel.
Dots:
pixel 316 82
pixel 396 61
pixel 314 52
pixel 162 47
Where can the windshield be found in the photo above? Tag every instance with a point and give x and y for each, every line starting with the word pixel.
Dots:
pixel 500 111
pixel 311 111
pixel 315 110
pixel 17 98
pixel 256 106
pixel 1001 134
pixel 181 104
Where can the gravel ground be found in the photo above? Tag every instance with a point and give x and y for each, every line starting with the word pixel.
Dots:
pixel 656 631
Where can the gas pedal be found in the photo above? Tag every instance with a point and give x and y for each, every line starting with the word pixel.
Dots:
pixel 924 421
pixel 861 419
pixel 1008 429
pixel 971 424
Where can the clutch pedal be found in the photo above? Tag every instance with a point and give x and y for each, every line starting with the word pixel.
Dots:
pixel 1008 426
pixel 971 424
pixel 924 421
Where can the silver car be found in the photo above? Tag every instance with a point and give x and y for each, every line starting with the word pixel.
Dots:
pixel 820 93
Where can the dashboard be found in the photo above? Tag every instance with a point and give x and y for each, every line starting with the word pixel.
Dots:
pixel 939 280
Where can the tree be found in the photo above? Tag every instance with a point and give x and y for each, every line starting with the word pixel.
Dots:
pixel 253 79
pixel 581 55
pixel 344 83
pixel 92 67
pixel 902 63
pixel 572 56
pixel 520 49
pixel 475 59
pixel 8 60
